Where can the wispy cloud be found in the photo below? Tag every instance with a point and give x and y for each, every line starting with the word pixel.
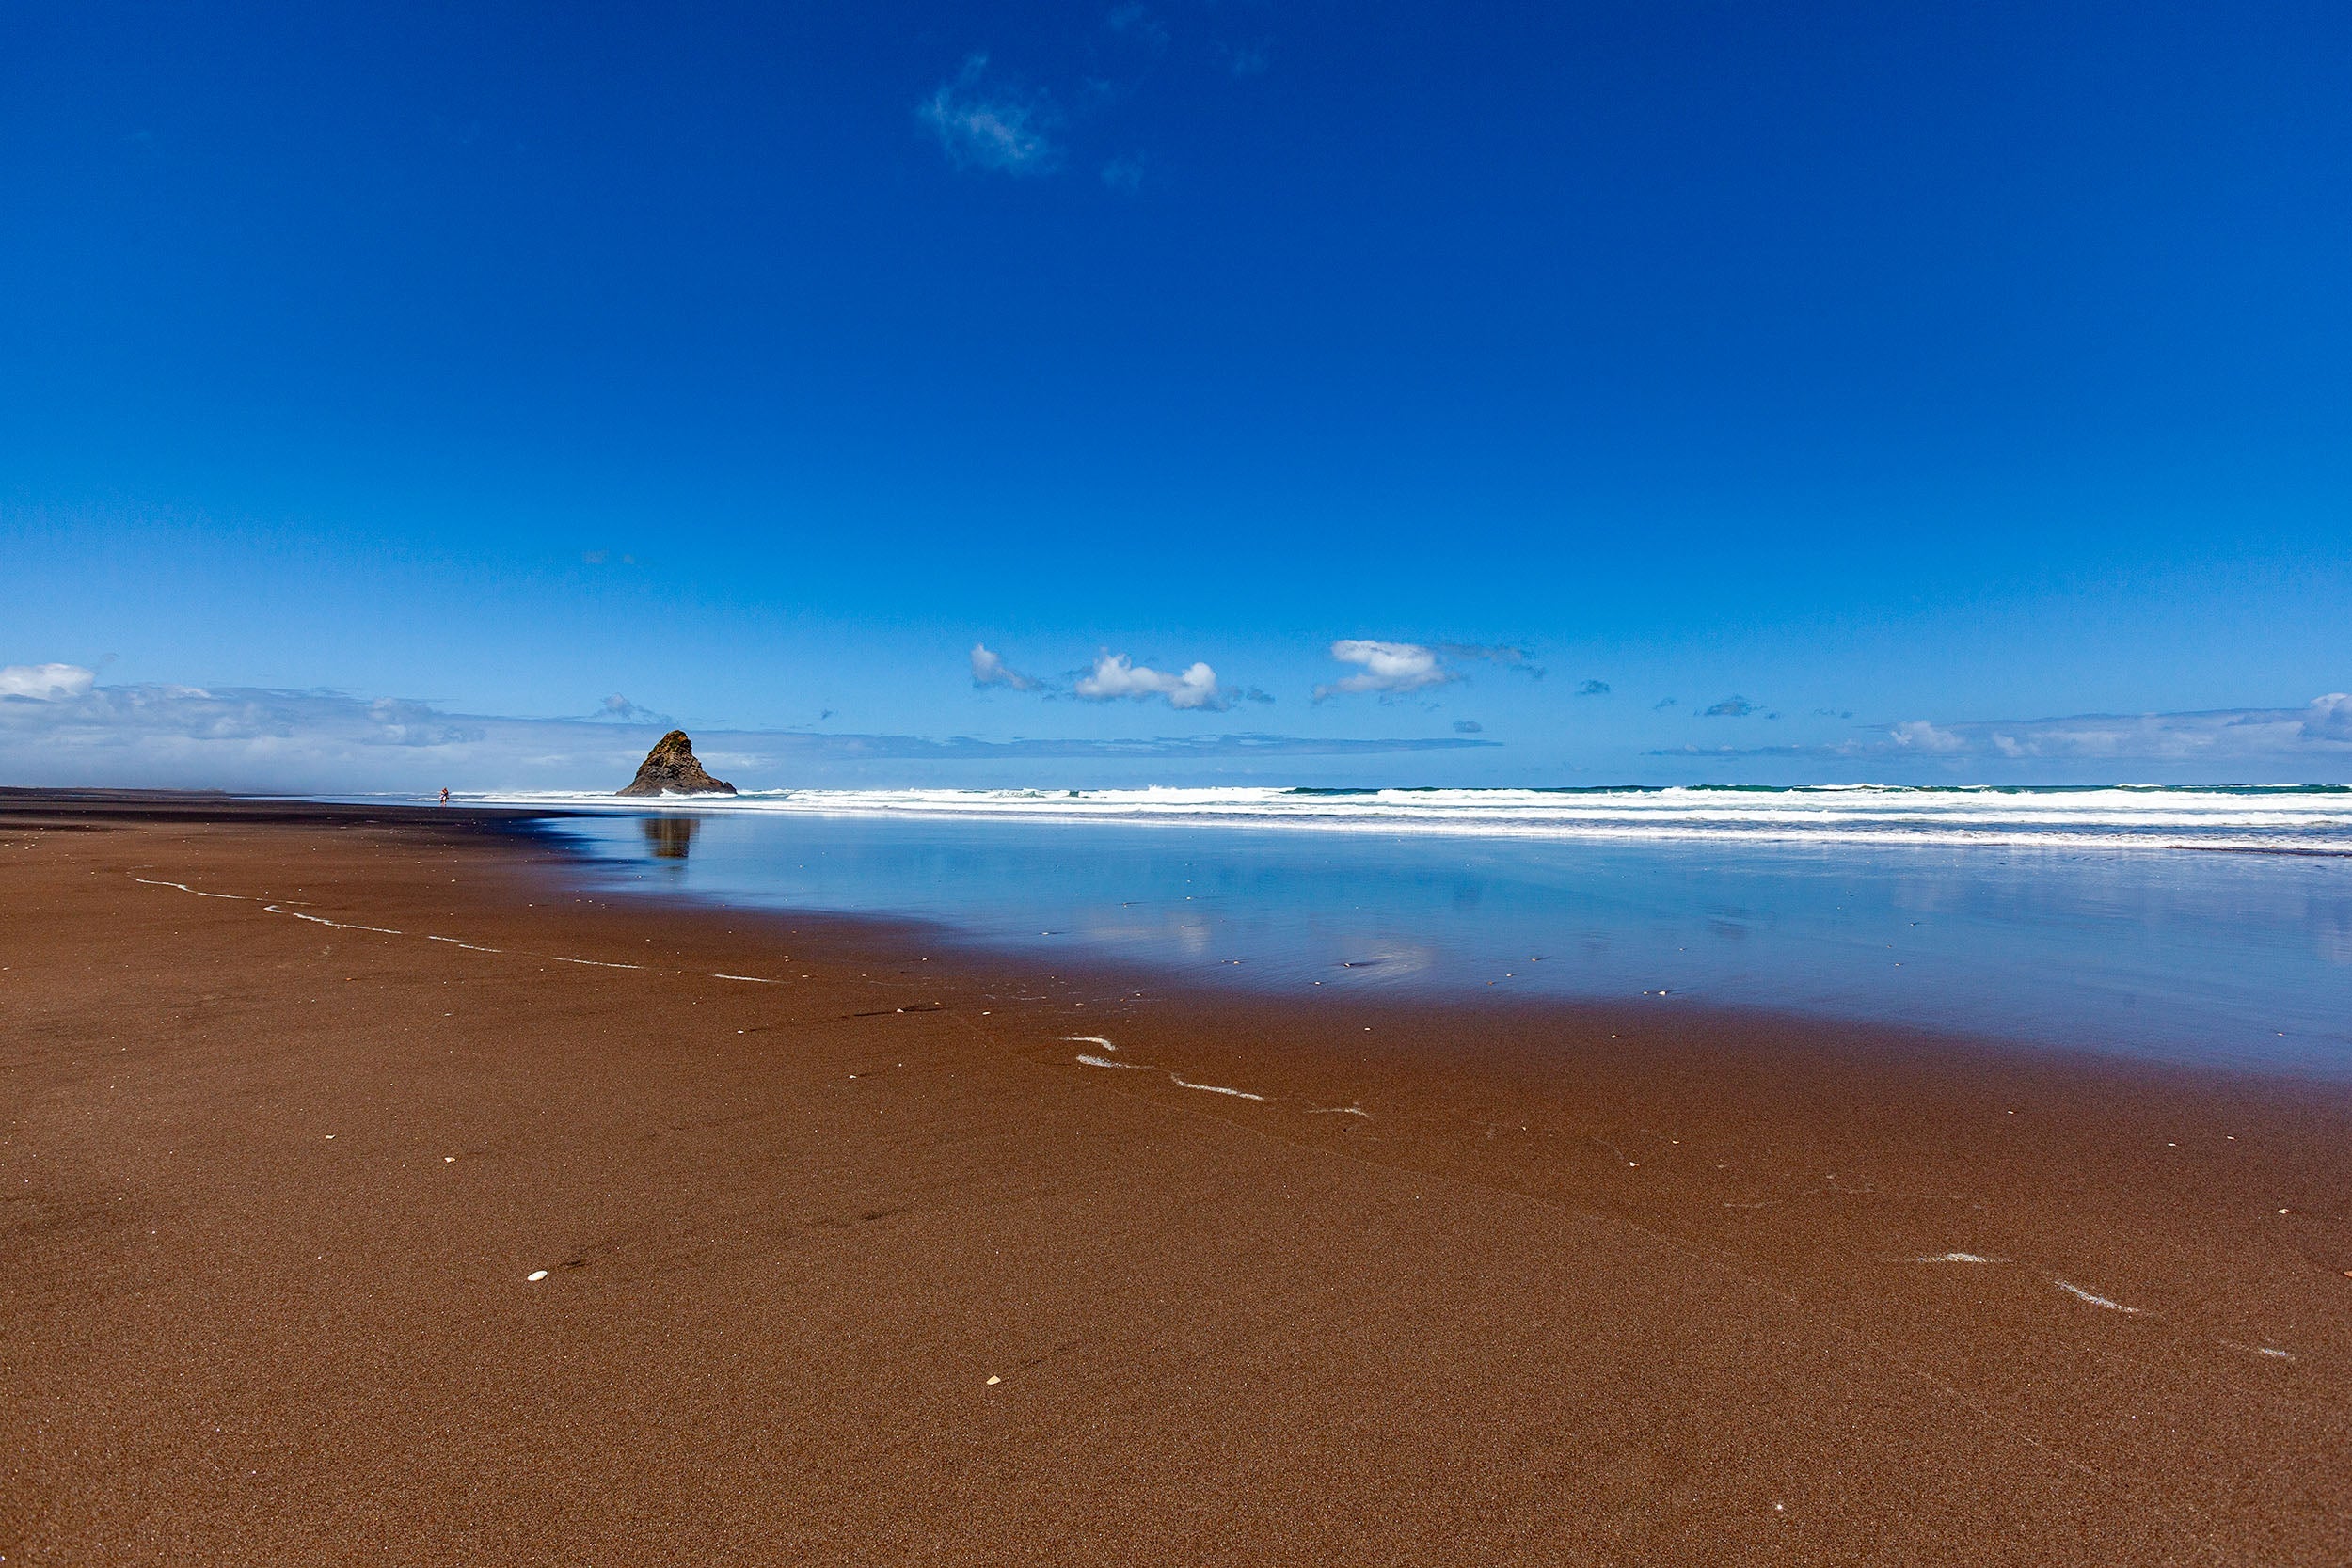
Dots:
pixel 986 126
pixel 1730 707
pixel 1115 675
pixel 2320 730
pixel 45 683
pixel 1137 21
pixel 988 669
pixel 617 709
pixel 1392 669
pixel 1124 174
pixel 1247 59
pixel 1468 726
pixel 1503 653
pixel 1593 688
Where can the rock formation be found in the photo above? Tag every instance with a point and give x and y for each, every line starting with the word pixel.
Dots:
pixel 669 768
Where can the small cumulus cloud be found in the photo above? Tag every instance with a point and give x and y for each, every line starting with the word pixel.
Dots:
pixel 988 670
pixel 1115 676
pixel 1833 713
pixel 45 683
pixel 1730 707
pixel 1920 735
pixel 1388 667
pixel 984 126
pixel 1662 703
pixel 1593 688
pixel 1469 726
pixel 1392 669
pixel 2329 718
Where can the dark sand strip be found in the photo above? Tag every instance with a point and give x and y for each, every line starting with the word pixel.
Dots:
pixel 1460 1284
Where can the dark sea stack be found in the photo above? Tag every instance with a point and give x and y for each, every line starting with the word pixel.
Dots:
pixel 669 768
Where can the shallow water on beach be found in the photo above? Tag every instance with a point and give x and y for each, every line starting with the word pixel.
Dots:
pixel 2239 960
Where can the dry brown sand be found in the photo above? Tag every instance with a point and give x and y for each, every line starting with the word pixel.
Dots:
pixel 827 1280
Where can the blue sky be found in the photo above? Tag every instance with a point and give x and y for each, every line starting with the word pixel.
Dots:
pixel 1839 369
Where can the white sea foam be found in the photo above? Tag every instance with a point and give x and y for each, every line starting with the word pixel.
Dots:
pixel 2314 819
pixel 338 925
pixel 1215 1089
pixel 185 888
pixel 2081 1294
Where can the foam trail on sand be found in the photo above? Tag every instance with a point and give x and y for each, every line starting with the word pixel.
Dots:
pixel 1961 1258
pixel 2081 1294
pixel 338 925
pixel 752 979
pixel 1145 1067
pixel 592 964
pixel 1215 1089
pixel 1089 1039
pixel 185 888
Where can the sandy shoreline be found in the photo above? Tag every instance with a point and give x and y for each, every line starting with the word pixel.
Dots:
pixel 1254 1281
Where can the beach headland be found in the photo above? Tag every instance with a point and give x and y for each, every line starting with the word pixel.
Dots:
pixel 375 1192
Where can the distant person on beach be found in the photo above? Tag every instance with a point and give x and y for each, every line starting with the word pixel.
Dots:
pixel 445 795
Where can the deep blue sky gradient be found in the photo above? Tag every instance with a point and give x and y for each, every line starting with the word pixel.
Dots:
pixel 1960 362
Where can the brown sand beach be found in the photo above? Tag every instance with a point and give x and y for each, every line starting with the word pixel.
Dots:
pixel 373 1197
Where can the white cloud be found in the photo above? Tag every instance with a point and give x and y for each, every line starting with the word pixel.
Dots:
pixel 1114 677
pixel 1920 735
pixel 989 668
pixel 2330 718
pixel 1388 667
pixel 992 128
pixel 45 683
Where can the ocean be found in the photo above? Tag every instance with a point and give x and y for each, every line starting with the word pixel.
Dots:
pixel 2210 926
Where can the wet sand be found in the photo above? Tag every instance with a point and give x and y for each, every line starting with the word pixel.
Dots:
pixel 859 1248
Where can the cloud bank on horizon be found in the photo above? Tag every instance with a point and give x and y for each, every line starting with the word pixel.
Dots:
pixel 2318 732
pixel 60 728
